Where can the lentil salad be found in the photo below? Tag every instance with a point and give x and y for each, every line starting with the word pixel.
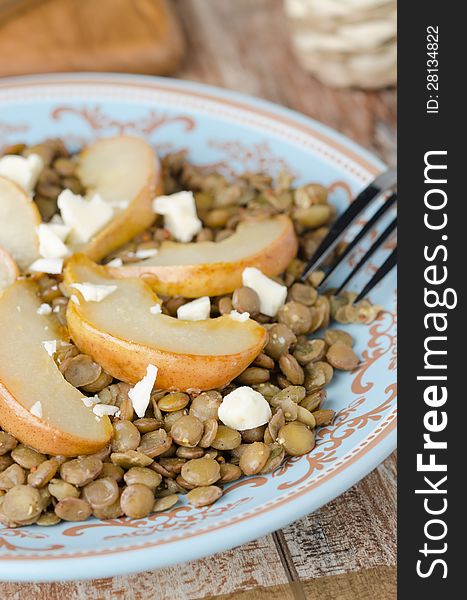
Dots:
pixel 180 446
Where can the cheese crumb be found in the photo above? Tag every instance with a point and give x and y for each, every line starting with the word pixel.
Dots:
pixel 50 346
pixel 90 401
pixel 197 310
pixel 59 228
pixel 115 262
pixel 36 409
pixel 119 204
pixel 44 309
pixel 54 266
pixel 156 309
pixel 180 216
pixel 56 220
pixel 272 295
pixel 140 394
pixel 143 253
pixel 22 170
pixel 51 244
pixel 237 316
pixel 104 409
pixel 244 408
pixel 92 292
pixel 84 217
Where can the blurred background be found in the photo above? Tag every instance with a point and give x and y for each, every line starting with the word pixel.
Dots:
pixel 334 60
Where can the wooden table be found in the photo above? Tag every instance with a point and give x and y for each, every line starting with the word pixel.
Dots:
pixel 346 550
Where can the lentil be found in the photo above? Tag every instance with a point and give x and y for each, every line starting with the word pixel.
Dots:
pixel 43 473
pixel 201 471
pixel 73 509
pixel 162 504
pixel 11 476
pixel 291 369
pixel 101 492
pixel 27 457
pixel 253 435
pixel 209 433
pixel 111 511
pixel 126 436
pixel 341 356
pixel 280 339
pixel 60 489
pixel 80 370
pixel 130 458
pixel 313 401
pixel 296 439
pixel 22 505
pixel 226 438
pixel 187 431
pixel 7 442
pixel 254 458
pixel 253 375
pixel 296 316
pixel 206 405
pixel 245 299
pixel 173 402
pixel 324 417
pixel 337 335
pixel 203 496
pixel 81 471
pixel 229 472
pixel 307 351
pixel 137 501
pixel 155 443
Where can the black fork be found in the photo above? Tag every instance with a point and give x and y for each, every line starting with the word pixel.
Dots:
pixel 384 184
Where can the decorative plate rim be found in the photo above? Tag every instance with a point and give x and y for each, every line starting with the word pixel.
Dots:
pixel 380 442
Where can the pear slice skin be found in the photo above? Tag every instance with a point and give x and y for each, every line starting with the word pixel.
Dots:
pixel 120 168
pixel 215 268
pixel 122 335
pixel 19 218
pixel 8 270
pixel 28 374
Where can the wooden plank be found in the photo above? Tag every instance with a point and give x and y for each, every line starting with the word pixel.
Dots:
pixel 12 8
pixel 372 584
pixel 354 532
pixel 139 36
pixel 253 565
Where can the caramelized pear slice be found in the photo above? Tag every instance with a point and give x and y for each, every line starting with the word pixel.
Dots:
pixel 215 268
pixel 125 172
pixel 19 218
pixel 30 378
pixel 8 270
pixel 122 334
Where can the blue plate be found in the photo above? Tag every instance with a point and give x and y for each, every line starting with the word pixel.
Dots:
pixel 232 133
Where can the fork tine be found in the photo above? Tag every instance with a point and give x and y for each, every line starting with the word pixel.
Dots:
pixel 361 234
pixel 382 183
pixel 384 269
pixel 381 239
